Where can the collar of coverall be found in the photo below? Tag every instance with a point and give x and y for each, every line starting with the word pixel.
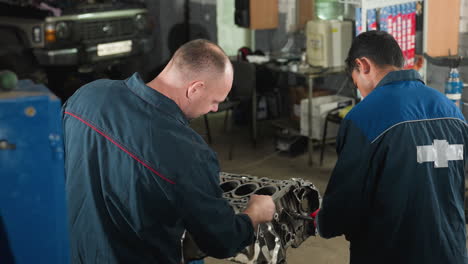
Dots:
pixel 403 75
pixel 155 98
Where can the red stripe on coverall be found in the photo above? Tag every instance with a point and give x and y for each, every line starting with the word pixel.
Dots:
pixel 122 148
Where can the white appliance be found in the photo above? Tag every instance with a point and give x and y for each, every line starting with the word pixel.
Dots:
pixel 328 42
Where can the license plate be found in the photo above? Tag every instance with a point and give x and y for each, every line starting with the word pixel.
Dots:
pixel 114 48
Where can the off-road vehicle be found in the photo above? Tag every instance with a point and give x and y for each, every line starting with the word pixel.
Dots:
pixel 67 42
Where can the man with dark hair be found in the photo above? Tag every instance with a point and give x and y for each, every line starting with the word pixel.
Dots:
pixel 138 176
pixel 397 190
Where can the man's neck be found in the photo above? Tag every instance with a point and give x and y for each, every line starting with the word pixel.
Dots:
pixel 163 85
pixel 382 72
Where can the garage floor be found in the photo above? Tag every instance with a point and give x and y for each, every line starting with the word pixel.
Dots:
pixel 263 161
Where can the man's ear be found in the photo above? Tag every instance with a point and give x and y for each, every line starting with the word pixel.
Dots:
pixel 195 88
pixel 364 65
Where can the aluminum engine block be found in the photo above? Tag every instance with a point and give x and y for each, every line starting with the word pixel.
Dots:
pixel 295 199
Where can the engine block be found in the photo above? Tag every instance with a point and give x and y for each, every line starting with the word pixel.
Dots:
pixel 295 199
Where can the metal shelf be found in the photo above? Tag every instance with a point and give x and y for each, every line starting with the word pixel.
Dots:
pixel 357 3
pixel 369 4
pixel 286 123
pixel 447 61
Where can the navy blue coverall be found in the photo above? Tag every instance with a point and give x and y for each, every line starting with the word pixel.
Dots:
pixel 137 176
pixel 397 190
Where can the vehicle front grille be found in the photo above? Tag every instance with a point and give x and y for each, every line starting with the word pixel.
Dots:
pixel 108 29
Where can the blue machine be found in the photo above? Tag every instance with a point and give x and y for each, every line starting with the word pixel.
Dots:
pixel 33 225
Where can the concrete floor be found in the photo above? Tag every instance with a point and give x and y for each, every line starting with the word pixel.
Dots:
pixel 263 161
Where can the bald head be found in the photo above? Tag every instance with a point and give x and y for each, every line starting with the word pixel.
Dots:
pixel 199 56
pixel 198 78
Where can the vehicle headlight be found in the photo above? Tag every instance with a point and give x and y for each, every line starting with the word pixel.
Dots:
pixel 141 22
pixel 62 30
pixel 50 34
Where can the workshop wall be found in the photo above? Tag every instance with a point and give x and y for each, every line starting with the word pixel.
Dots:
pixel 286 38
pixel 163 25
pixel 463 44
pixel 170 31
pixel 230 36
pixel 437 75
pixel 203 20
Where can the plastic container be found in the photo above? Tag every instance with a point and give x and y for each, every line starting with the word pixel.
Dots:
pixel 328 42
pixel 454 87
pixel 329 9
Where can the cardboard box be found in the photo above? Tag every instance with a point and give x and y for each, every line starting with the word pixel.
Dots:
pixel 321 106
pixel 297 94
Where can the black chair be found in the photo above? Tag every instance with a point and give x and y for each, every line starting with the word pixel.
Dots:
pixel 227 106
pixel 243 89
pixel 332 116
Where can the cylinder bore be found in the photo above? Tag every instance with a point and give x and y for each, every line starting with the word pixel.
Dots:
pixel 267 190
pixel 229 186
pixel 245 189
pixel 309 200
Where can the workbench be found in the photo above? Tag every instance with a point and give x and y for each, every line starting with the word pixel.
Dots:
pixel 310 74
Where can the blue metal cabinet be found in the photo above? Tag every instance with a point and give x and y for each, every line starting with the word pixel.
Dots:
pixel 33 225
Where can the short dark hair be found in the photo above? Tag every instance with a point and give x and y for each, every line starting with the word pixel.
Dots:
pixel 200 55
pixel 378 46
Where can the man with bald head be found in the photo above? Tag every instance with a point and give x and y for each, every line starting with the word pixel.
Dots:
pixel 137 176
